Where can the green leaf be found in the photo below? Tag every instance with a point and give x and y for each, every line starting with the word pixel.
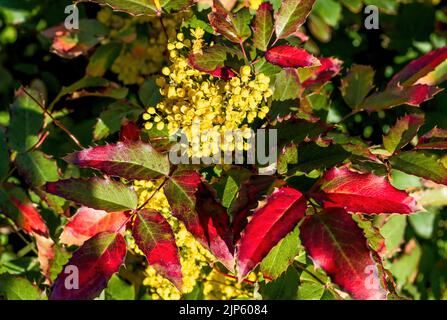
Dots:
pixel 310 288
pixel 26 121
pixel 291 15
pixel 263 27
pixel 283 288
pixel 329 11
pixel 234 27
pixel 241 21
pixel 402 132
pixel 210 59
pixel 149 93
pixel 393 232
pixel 18 288
pixel 265 67
pixel 423 223
pixel 286 85
pixel 61 258
pixel 357 84
pixel 118 289
pixel 404 267
pixel 228 187
pixel 282 255
pixel 95 193
pixel 421 164
pixel 102 59
pixel 36 168
pixel 385 6
pixel 311 157
pixel 111 119
pixel 4 156
pixel 353 5
pixel 194 22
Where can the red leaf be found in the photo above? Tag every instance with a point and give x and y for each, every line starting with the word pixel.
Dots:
pixel 88 222
pixel 21 210
pixel 193 204
pixel 365 193
pixel 418 68
pixel 130 132
pixel 338 246
pixel 250 193
pixel 291 57
pixel 91 267
pixel 224 73
pixel 66 43
pixel 155 238
pixel 30 221
pixel 329 68
pixel 130 160
pixel 269 224
pixel 396 96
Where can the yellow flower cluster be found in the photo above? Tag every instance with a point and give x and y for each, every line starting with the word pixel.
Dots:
pixel 206 108
pixel 193 257
pixel 221 287
pixel 139 57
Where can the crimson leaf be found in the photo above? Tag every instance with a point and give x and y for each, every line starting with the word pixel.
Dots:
pixel 338 246
pixel 418 68
pixel 86 274
pixel 155 238
pixel 396 96
pixel 288 56
pixel 16 205
pixel 269 224
pixel 88 222
pixel 130 132
pixel 193 204
pixel 365 193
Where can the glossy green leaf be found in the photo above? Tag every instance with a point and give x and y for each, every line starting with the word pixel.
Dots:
pixel 36 168
pixel 282 255
pixel 357 84
pixel 263 27
pixel 111 119
pixel 102 59
pixel 290 16
pixel 95 193
pixel 421 164
pixel 18 288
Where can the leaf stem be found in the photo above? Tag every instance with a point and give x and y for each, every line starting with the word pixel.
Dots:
pixel 56 122
pixel 153 194
pixel 245 53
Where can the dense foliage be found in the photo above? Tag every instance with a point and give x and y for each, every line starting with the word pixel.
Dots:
pixel 92 205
